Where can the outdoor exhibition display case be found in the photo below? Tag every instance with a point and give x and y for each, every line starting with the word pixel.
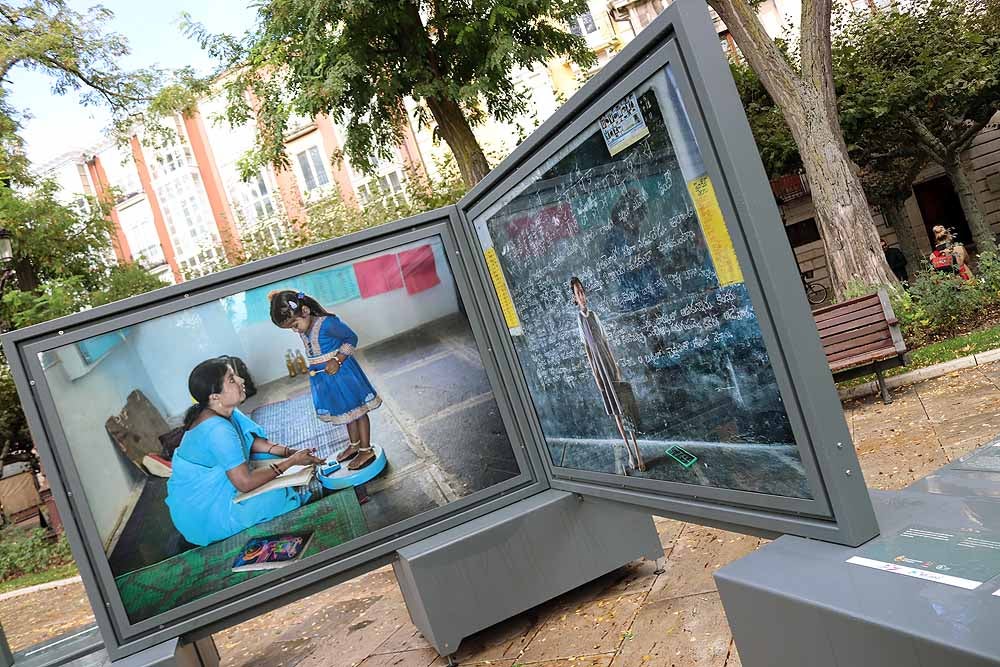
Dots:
pixel 613 312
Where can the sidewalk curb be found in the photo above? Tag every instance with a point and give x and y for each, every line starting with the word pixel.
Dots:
pixel 39 587
pixel 927 373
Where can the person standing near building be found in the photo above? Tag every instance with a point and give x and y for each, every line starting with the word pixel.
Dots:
pixel 949 255
pixel 896 260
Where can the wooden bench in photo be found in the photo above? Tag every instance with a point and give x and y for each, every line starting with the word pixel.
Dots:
pixel 861 336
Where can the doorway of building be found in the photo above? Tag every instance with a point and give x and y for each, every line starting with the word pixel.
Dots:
pixel 939 205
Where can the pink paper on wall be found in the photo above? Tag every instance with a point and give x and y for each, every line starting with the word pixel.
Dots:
pixel 378 275
pixel 533 234
pixel 419 270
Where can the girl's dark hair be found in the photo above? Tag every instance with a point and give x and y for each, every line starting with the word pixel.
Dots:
pixel 287 305
pixel 206 378
pixel 576 281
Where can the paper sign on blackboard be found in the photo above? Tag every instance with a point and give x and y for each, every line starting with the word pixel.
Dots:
pixel 623 125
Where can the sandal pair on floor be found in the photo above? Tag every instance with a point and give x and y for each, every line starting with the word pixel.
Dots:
pixel 359 456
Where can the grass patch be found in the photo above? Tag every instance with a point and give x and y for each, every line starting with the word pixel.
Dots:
pixel 53 574
pixel 973 342
pixel 32 556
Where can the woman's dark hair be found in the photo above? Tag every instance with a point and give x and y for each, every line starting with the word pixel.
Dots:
pixel 576 281
pixel 206 378
pixel 287 305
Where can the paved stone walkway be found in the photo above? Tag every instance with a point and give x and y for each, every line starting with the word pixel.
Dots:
pixel 629 618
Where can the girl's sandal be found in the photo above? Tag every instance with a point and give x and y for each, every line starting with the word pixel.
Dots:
pixel 364 457
pixel 349 452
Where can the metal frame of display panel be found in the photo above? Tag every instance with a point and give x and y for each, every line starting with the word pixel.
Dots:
pixel 684 39
pixel 273 589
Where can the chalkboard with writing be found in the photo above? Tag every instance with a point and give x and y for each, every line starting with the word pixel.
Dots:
pixel 635 332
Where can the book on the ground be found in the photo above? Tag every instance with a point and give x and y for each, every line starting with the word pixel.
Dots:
pixel 272 551
pixel 294 476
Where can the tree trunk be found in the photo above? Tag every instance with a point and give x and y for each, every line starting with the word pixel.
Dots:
pixel 27 278
pixel 850 238
pixel 895 215
pixel 981 233
pixel 457 133
pixel 809 106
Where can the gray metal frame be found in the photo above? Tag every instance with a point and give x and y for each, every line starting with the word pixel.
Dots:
pixel 684 39
pixel 252 597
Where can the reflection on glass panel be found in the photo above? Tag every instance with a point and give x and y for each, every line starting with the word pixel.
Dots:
pixel 628 312
pixel 361 383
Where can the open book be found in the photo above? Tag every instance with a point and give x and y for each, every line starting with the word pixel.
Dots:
pixel 294 476
pixel 273 551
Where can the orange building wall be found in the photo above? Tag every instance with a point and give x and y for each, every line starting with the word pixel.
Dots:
pixel 154 205
pixel 225 222
pixel 340 173
pixel 103 192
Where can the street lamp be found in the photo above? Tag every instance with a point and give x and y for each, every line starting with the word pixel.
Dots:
pixel 6 251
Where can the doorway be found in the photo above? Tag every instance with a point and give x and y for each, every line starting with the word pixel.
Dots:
pixel 939 205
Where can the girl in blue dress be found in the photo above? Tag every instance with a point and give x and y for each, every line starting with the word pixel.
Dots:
pixel 211 464
pixel 341 391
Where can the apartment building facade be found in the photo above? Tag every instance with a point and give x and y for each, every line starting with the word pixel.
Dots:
pixel 179 209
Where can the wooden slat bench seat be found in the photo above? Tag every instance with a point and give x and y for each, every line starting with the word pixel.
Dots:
pixel 861 336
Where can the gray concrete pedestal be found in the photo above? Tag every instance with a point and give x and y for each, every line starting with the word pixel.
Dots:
pixel 797 602
pixel 84 648
pixel 475 575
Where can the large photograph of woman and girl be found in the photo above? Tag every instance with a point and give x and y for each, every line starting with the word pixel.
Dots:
pixel 326 407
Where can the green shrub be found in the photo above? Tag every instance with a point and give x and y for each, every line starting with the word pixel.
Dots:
pixel 943 303
pixel 28 552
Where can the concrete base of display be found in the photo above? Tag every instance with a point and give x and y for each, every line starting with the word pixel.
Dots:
pixel 799 602
pixel 85 649
pixel 485 571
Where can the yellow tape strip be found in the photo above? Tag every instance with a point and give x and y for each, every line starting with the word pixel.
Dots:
pixel 500 285
pixel 720 244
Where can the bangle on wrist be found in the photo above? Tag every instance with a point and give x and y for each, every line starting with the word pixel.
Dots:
pixel 276 469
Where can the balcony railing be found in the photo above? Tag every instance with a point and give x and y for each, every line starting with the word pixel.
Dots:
pixel 790 187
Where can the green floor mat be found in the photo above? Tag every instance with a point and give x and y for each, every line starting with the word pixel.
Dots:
pixel 158 588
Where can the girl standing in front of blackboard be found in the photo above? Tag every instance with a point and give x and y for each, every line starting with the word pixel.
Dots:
pixel 618 397
pixel 341 391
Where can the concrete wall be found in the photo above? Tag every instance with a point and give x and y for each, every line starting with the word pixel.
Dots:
pixel 374 319
pixel 110 481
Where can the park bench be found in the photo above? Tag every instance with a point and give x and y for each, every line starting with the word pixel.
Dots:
pixel 861 336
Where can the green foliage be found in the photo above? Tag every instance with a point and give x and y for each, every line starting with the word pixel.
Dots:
pixel 937 305
pixel 916 80
pixel 358 62
pixel 27 552
pixel 62 260
pixel 331 217
pixel 774 139
pixel 123 281
pixel 78 53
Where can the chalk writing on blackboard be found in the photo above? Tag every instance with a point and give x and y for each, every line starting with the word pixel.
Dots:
pixel 636 330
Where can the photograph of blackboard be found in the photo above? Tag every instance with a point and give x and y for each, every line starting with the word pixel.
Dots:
pixel 371 364
pixel 629 315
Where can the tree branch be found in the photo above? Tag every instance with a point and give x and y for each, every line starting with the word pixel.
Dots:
pixel 7 66
pixel 778 77
pixel 937 150
pixel 817 67
pixel 114 97
pixel 972 128
pixel 897 153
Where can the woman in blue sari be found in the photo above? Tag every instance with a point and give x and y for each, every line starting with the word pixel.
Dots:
pixel 211 464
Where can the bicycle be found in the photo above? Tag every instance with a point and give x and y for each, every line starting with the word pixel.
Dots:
pixel 816 291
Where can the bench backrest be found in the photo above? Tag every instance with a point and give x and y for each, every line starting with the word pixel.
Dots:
pixel 859 331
